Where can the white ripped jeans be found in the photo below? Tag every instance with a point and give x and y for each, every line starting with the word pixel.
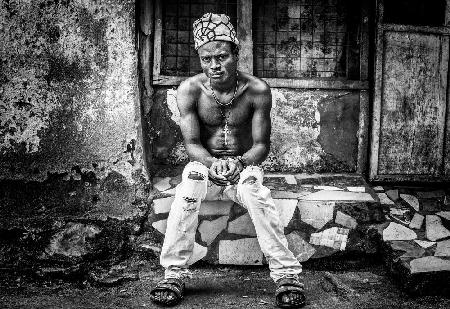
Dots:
pixel 251 194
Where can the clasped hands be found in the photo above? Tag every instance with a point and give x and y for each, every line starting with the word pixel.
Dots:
pixel 225 172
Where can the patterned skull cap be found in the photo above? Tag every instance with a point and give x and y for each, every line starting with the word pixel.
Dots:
pixel 213 27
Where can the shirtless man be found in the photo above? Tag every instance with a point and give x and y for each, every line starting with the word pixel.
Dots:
pixel 225 122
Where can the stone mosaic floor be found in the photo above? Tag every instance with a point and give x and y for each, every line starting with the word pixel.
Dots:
pixel 416 237
pixel 331 214
pixel 321 214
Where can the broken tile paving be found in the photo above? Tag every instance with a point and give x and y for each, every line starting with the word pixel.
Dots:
pixel 334 215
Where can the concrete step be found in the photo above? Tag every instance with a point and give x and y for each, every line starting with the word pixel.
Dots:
pixel 322 215
pixel 416 239
pixel 331 215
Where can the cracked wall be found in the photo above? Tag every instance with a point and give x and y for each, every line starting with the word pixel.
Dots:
pixel 70 140
pixel 313 131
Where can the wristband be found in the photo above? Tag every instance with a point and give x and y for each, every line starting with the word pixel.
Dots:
pixel 239 158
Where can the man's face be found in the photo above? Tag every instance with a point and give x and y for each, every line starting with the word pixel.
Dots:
pixel 217 60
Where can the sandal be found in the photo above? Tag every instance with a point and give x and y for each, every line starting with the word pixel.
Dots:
pixel 292 288
pixel 174 286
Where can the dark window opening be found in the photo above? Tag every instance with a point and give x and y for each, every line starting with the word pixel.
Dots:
pixel 307 38
pixel 415 12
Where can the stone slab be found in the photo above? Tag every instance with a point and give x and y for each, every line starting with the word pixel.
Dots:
pixel 416 221
pixel 245 251
pixel 443 248
pixel 162 184
pixel 357 189
pixel 392 194
pixel 210 229
pixel 277 194
pixel 301 249
pixel 429 264
pixel 384 199
pixel 215 208
pixel 444 214
pixel 403 249
pixel 242 225
pixel 434 228
pixel 328 195
pixel 160 226
pixel 411 200
pixel 345 220
pixel 290 179
pixel 431 194
pixel 430 205
pixel 162 205
pixel 316 213
pixel 329 188
pixel 362 211
pixel 396 231
pixel 334 237
pixel 198 253
pixel 286 208
pixel 425 243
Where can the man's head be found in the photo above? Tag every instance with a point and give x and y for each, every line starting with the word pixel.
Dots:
pixel 217 46
pixel 213 27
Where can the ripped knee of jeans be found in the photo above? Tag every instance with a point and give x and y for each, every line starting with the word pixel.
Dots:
pixel 196 175
pixel 250 180
pixel 190 199
pixel 195 171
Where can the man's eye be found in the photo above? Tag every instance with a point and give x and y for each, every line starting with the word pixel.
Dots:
pixel 222 57
pixel 206 59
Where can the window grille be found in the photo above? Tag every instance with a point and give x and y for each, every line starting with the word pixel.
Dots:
pixel 303 38
pixel 178 56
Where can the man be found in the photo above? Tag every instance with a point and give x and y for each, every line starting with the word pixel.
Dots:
pixel 225 122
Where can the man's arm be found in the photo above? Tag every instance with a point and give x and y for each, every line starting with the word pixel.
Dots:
pixel 261 124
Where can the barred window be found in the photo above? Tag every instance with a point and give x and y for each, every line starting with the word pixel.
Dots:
pixel 306 38
pixel 178 56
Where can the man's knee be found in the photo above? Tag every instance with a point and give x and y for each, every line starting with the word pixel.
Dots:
pixel 195 171
pixel 249 180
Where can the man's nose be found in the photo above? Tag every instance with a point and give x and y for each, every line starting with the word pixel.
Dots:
pixel 215 64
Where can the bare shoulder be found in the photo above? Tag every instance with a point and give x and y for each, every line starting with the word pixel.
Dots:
pixel 191 85
pixel 189 90
pixel 258 89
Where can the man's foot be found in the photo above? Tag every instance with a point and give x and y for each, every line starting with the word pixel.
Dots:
pixel 168 292
pixel 289 293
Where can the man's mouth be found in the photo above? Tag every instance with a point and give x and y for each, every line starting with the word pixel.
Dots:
pixel 216 74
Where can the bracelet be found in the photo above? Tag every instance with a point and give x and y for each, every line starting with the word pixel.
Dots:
pixel 239 158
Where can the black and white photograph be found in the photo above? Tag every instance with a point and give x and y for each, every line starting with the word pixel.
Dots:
pixel 225 154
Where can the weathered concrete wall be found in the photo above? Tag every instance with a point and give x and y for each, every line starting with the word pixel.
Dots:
pixel 71 167
pixel 312 131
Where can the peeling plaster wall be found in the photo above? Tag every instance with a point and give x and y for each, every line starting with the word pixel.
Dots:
pixel 68 92
pixel 70 137
pixel 312 131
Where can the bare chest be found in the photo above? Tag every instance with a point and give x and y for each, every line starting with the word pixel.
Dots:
pixel 212 114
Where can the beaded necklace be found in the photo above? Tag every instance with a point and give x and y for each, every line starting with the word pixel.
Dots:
pixel 226 131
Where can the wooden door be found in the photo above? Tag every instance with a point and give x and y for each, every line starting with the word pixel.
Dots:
pixel 409 138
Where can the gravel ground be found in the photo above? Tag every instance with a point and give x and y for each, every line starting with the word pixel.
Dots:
pixel 224 287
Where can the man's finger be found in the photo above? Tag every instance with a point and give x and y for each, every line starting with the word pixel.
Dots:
pixel 224 167
pixel 219 182
pixel 214 171
pixel 231 169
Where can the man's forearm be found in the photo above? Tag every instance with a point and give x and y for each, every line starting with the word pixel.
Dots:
pixel 198 153
pixel 256 155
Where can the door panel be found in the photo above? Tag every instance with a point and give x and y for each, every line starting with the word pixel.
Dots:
pixel 410 104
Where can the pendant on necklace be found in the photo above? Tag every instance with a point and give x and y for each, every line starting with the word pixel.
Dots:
pixel 226 131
